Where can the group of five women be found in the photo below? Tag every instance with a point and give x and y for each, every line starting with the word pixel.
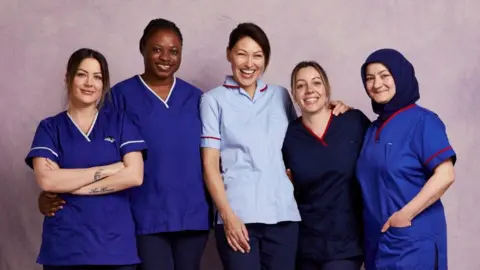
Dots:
pixel 135 176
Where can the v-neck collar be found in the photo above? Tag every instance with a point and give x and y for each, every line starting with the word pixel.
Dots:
pixel 379 130
pixel 321 139
pixel 165 102
pixel 86 136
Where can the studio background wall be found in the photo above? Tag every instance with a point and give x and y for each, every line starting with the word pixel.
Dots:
pixel 439 37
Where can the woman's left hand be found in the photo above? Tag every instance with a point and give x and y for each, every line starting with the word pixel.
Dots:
pixel 339 107
pixel 398 220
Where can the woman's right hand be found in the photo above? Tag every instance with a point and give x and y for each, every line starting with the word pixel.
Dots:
pixel 236 233
pixel 49 203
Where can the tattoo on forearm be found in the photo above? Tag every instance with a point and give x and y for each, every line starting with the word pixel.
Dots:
pixel 100 190
pixel 98 175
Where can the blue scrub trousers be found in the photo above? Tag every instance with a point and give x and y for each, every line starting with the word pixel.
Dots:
pixel 345 264
pixel 272 247
pixel 91 267
pixel 172 250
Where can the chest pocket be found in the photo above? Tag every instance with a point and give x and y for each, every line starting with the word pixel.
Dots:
pixel 388 149
pixel 352 146
pixel 239 122
pixel 342 155
pixel 109 146
pixel 84 154
pixel 275 124
pixel 386 153
pixel 277 120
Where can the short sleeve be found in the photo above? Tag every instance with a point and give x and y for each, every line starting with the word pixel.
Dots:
pixel 210 117
pixel 290 107
pixel 431 142
pixel 45 144
pixel 131 140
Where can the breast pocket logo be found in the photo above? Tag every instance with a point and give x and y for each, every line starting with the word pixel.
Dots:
pixel 110 139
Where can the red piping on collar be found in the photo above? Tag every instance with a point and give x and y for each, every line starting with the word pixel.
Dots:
pixel 377 134
pixel 321 139
pixel 238 87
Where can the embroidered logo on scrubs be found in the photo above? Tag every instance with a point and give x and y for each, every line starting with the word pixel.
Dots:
pixel 109 139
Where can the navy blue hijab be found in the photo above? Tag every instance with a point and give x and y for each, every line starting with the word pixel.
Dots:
pixel 406 83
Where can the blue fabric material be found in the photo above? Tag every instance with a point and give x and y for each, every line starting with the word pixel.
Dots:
pixel 89 230
pixel 173 196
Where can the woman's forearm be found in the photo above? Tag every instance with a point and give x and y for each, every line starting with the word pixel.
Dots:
pixel 128 177
pixel 216 189
pixel 214 183
pixel 67 180
pixel 433 190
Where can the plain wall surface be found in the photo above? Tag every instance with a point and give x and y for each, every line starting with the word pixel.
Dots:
pixel 439 37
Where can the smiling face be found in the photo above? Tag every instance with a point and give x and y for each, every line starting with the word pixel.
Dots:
pixel 162 54
pixel 86 87
pixel 310 90
pixel 379 83
pixel 248 62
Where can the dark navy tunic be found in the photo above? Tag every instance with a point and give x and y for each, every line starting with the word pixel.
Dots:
pixel 326 189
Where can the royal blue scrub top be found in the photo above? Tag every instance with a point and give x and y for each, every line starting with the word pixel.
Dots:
pixel 89 230
pixel 396 161
pixel 326 190
pixel 173 195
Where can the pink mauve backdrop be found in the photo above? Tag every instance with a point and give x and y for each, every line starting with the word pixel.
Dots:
pixel 440 38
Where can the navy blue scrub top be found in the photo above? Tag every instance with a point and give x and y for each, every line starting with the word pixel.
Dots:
pixel 89 230
pixel 173 196
pixel 326 190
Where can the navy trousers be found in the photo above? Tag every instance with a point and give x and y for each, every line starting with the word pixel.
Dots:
pixel 91 267
pixel 272 247
pixel 345 264
pixel 172 250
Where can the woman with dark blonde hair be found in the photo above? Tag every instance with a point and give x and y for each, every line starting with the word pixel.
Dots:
pixel 88 155
pixel 320 150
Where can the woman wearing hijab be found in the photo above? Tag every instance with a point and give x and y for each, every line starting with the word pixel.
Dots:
pixel 405 166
